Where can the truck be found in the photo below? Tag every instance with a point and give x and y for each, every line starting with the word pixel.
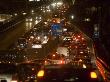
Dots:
pixel 63 50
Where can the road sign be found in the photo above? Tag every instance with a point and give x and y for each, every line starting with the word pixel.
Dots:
pixel 56 29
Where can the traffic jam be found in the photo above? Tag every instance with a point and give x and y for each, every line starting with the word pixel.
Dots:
pixel 71 60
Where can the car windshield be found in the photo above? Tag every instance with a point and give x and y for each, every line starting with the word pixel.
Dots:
pixel 37 36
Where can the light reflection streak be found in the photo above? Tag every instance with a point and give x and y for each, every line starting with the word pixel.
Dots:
pixel 28 26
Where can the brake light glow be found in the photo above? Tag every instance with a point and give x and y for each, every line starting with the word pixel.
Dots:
pixel 61 62
pixel 40 73
pixel 93 75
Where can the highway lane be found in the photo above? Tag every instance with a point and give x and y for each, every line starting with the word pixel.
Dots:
pixel 23 29
pixel 47 48
pixel 81 57
pixel 9 37
pixel 35 53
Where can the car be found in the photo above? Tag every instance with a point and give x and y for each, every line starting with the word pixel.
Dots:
pixel 27 71
pixel 54 59
pixel 21 43
pixel 36 44
pixel 63 50
pixel 68 73
pixel 8 72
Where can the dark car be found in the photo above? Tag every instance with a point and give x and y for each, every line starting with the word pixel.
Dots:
pixel 8 72
pixel 27 71
pixel 68 73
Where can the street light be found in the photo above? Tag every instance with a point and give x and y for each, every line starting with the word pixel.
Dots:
pixel 31 0
pixel 55 4
pixel 37 0
pixel 87 19
pixel 32 11
pixel 72 17
pixel 59 3
pixel 48 10
pixel 15 14
pixel 24 13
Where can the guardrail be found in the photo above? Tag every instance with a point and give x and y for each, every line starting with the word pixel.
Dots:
pixel 11 23
pixel 104 68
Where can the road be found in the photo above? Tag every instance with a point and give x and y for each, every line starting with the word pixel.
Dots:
pixel 11 36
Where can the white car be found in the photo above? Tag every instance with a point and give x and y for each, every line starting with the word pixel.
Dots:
pixel 37 44
pixel 63 50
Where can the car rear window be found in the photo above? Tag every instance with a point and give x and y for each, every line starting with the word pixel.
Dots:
pixel 7 68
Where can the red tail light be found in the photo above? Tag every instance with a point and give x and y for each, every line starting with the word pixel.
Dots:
pixel 62 62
